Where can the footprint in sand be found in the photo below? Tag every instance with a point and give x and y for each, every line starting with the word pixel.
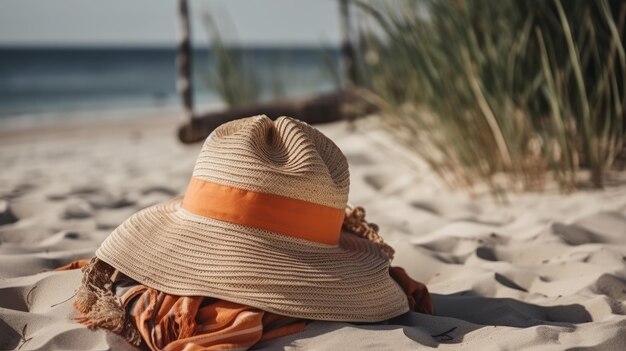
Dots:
pixel 159 190
pixel 358 159
pixel 611 286
pixel 6 214
pixel 77 209
pixel 572 234
pixel 109 219
pixel 108 201
pixel 377 181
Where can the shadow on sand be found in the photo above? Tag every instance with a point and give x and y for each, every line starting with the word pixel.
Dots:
pixel 456 315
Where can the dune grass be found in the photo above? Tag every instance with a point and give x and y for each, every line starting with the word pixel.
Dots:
pixel 232 80
pixel 481 88
pixel 236 76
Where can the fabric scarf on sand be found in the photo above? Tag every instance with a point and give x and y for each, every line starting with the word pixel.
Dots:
pixel 189 323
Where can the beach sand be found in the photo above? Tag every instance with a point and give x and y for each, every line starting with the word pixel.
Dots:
pixel 546 272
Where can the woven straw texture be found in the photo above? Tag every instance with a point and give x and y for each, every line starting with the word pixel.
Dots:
pixel 172 250
pixel 287 157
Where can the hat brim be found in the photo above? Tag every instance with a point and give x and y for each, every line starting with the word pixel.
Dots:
pixel 172 250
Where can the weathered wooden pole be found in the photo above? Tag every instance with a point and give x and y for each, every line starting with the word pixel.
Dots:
pixel 312 109
pixel 347 51
pixel 183 61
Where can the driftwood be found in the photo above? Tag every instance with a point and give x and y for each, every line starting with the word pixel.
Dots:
pixel 344 105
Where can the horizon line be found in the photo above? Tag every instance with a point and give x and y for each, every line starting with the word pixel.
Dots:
pixel 161 46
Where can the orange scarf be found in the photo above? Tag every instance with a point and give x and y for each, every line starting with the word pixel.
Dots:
pixel 177 323
pixel 190 323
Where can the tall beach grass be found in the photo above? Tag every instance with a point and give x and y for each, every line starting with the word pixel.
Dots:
pixel 232 80
pixel 235 75
pixel 526 89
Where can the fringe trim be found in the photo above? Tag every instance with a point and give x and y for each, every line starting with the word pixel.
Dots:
pixel 355 223
pixel 99 306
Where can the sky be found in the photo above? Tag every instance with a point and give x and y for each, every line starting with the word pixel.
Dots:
pixel 154 22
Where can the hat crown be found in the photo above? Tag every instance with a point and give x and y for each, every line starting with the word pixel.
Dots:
pixel 285 157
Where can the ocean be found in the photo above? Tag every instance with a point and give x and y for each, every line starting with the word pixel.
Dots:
pixel 59 80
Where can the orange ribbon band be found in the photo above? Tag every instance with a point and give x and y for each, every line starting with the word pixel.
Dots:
pixel 275 213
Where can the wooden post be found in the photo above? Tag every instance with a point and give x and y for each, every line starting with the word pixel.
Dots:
pixel 312 109
pixel 183 61
pixel 347 51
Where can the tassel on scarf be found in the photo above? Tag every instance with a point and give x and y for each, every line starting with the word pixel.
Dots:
pixel 99 306
pixel 355 223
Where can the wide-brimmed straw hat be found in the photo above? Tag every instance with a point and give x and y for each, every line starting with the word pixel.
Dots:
pixel 261 225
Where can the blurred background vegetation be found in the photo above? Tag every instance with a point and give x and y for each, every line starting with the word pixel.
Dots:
pixel 508 93
pixel 234 81
pixel 241 76
pixel 482 88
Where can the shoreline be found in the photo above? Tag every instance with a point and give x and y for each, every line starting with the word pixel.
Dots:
pixel 98 115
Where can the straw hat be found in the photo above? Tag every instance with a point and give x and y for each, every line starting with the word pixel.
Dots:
pixel 261 225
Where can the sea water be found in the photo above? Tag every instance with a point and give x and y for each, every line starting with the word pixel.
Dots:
pixel 59 80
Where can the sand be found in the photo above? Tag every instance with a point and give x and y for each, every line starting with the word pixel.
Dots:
pixel 546 272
